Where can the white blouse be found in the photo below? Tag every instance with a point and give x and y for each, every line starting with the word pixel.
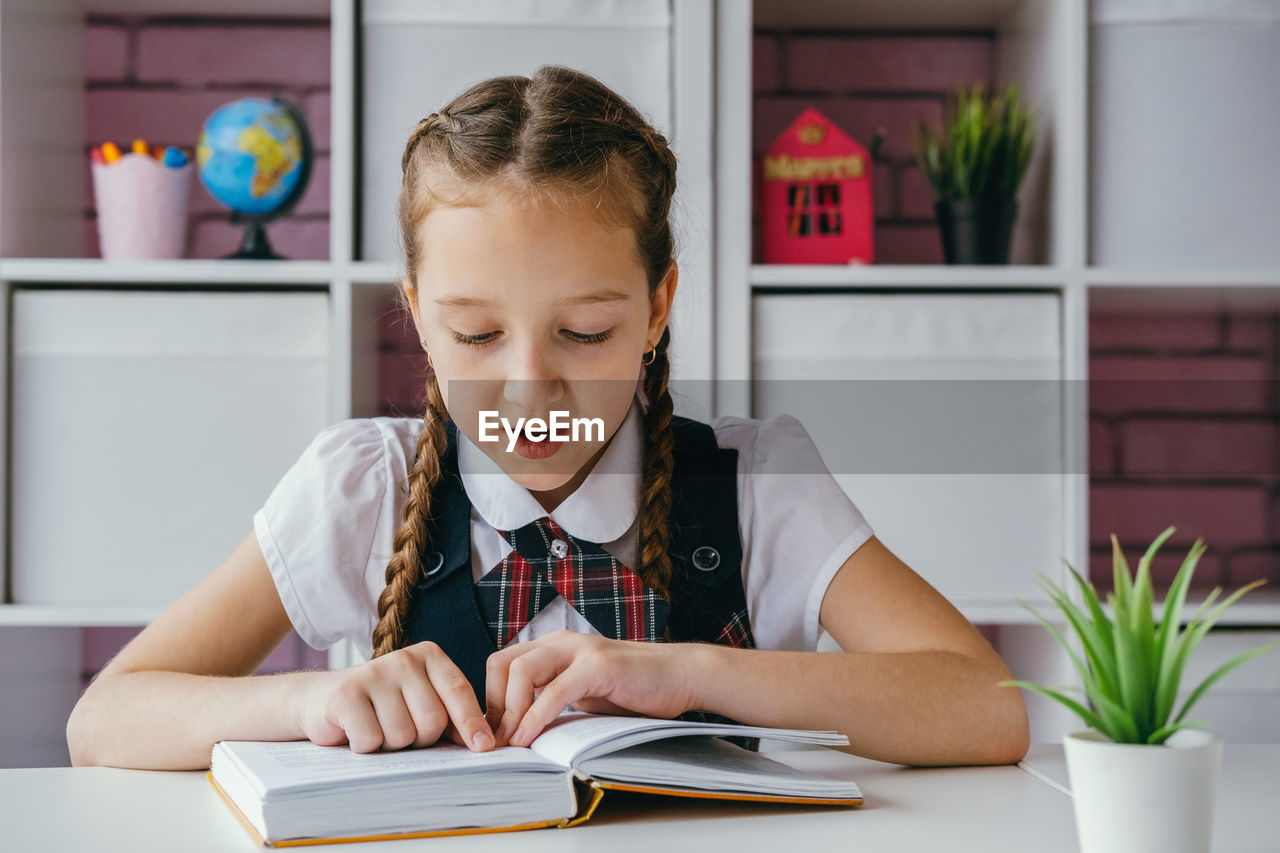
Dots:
pixel 327 528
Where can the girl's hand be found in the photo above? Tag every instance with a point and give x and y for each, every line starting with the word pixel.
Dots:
pixel 412 696
pixel 528 684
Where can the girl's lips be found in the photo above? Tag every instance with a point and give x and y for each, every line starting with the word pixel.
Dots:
pixel 536 449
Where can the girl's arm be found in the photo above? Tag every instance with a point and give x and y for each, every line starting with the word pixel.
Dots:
pixel 185 683
pixel 916 683
pixel 155 720
pixel 149 709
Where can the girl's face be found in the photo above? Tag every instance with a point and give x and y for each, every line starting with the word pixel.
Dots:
pixel 528 310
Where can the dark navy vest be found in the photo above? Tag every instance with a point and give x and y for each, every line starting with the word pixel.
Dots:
pixel 706 588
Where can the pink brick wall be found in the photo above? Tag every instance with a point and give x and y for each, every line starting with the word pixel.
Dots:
pixel 865 81
pixel 1185 431
pixel 159 79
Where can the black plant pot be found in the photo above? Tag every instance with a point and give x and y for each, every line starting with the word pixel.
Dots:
pixel 976 230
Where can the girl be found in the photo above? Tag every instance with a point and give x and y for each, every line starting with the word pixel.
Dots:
pixel 651 565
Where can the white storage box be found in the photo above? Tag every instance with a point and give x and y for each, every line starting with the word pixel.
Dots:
pixel 419 54
pixel 961 479
pixel 148 427
pixel 1185 115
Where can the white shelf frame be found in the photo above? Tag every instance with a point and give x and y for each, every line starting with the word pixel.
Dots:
pixel 90 271
pixel 853 277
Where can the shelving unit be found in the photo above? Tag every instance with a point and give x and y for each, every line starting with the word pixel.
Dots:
pixel 1045 46
pixel 1042 43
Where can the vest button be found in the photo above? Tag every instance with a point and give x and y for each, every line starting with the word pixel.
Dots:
pixel 433 561
pixel 559 548
pixel 706 558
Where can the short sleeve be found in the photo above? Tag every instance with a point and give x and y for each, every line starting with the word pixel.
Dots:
pixel 798 525
pixel 317 526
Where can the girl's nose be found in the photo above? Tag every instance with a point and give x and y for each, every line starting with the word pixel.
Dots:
pixel 534 396
pixel 532 383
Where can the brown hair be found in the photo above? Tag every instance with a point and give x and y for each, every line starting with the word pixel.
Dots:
pixel 560 135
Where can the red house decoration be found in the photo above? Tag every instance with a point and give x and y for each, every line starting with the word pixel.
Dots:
pixel 816 196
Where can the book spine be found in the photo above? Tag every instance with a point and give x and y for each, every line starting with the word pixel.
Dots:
pixel 589 794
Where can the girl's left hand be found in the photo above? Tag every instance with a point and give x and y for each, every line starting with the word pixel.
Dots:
pixel 592 673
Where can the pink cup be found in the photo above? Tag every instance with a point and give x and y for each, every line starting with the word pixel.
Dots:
pixel 142 207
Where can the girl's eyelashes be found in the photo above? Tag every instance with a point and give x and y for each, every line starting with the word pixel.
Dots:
pixel 473 340
pixel 582 338
pixel 488 337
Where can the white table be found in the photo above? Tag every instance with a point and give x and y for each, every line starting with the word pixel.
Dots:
pixel 955 809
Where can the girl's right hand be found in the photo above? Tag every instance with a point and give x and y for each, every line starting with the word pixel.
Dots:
pixel 411 696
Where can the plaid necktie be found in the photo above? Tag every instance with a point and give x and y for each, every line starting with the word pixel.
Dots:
pixel 545 562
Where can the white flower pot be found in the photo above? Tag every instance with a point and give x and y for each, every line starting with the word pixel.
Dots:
pixel 1130 798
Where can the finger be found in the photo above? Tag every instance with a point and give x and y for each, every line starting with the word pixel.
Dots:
pixel 323 730
pixel 597 705
pixel 357 718
pixel 430 717
pixel 495 680
pixel 459 700
pixel 394 720
pixel 451 733
pixel 525 674
pixel 563 690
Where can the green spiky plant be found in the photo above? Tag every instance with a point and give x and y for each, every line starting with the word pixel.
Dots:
pixel 1134 663
pixel 984 147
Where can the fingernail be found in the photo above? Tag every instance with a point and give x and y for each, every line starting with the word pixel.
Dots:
pixel 482 740
pixel 518 738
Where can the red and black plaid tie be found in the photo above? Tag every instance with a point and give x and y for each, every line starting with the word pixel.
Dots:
pixel 546 562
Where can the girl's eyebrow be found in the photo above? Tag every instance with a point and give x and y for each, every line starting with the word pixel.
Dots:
pixel 598 296
pixel 459 301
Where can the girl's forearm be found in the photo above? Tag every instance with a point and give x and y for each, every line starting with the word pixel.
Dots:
pixel 919 708
pixel 170 720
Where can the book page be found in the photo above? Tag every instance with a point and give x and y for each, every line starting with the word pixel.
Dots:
pixel 292 765
pixel 711 764
pixel 575 736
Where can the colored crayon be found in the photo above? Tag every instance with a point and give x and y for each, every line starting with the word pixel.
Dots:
pixel 174 157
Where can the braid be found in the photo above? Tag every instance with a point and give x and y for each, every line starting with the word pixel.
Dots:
pixel 666 159
pixel 655 489
pixel 441 121
pixel 410 540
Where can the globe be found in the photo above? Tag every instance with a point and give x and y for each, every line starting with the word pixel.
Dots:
pixel 254 157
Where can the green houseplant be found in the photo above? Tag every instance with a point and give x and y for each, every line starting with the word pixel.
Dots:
pixel 1143 776
pixel 975 166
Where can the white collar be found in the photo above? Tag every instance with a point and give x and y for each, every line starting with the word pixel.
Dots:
pixel 601 510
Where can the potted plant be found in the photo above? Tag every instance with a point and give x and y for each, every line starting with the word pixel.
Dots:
pixel 1142 776
pixel 975 167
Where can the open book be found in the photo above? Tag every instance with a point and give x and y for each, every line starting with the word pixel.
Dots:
pixel 297 792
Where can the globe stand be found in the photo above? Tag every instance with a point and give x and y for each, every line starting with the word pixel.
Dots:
pixel 255 245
